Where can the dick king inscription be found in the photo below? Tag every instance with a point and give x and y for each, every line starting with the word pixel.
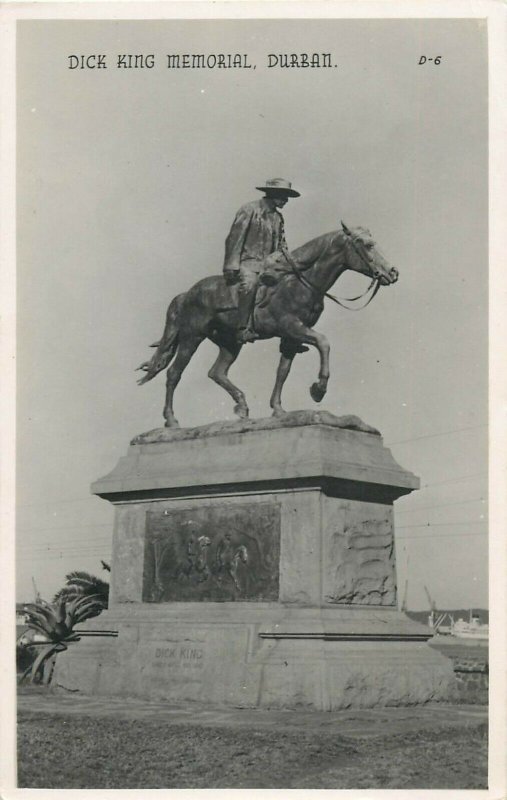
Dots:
pixel 184 663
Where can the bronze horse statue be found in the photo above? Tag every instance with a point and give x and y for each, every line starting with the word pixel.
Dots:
pixel 288 310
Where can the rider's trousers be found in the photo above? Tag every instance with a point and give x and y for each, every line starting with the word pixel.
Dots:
pixel 249 274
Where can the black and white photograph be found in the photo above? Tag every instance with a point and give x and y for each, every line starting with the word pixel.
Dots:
pixel 254 539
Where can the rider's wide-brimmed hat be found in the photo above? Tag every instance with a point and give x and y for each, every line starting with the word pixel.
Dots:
pixel 279 185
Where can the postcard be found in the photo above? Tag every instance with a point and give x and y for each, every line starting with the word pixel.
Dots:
pixel 253 333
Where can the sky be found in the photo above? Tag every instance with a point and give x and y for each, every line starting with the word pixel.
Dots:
pixel 128 181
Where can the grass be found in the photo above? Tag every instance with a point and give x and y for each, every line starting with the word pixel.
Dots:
pixel 58 751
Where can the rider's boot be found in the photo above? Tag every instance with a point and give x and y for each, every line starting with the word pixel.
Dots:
pixel 246 303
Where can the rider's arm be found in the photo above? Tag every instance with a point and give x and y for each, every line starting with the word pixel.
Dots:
pixel 236 239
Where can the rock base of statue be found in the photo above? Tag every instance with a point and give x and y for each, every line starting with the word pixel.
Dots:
pixel 254 565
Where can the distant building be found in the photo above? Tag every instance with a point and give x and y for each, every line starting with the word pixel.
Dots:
pixel 21 616
pixel 25 634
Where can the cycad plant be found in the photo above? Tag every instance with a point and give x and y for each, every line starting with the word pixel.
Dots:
pixel 56 621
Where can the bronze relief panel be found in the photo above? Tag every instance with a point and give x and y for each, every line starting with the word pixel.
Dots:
pixel 212 553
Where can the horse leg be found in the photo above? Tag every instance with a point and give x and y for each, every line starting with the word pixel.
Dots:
pixel 186 350
pixel 218 373
pixel 288 351
pixel 300 333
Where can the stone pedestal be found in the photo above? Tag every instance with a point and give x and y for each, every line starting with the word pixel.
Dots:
pixel 254 565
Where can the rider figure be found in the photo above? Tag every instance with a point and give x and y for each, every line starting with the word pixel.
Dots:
pixel 256 233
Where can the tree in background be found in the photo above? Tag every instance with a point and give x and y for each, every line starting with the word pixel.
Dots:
pixel 83 584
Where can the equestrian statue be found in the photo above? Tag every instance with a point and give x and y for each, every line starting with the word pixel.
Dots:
pixel 265 291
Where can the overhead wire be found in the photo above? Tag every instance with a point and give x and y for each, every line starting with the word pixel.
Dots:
pixel 440 505
pixel 56 549
pixel 434 435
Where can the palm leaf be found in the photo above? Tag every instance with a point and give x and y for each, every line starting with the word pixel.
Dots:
pixel 82 584
pixel 45 653
pixel 75 602
pixel 45 630
pixel 69 619
pixel 35 613
pixel 93 611
pixel 40 622
pixel 67 593
pixel 85 605
pixel 79 574
pixel 60 611
pixel 44 609
pixel 85 580
pixel 76 608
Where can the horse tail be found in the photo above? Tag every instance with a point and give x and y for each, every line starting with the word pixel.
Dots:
pixel 166 347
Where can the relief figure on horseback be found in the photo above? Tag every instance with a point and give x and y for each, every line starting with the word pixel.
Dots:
pixel 265 291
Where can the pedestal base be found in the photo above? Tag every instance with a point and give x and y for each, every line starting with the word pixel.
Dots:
pixel 255 656
pixel 254 565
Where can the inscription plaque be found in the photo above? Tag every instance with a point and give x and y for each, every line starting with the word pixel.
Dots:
pixel 181 660
pixel 212 553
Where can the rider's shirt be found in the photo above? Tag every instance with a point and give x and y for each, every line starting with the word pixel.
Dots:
pixel 257 231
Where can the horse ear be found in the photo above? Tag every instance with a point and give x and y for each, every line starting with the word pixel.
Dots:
pixel 346 230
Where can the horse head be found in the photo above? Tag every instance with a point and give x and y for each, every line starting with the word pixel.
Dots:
pixel 364 256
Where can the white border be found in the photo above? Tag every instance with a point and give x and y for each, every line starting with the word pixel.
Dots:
pixel 495 12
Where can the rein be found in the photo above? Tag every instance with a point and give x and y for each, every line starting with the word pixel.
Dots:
pixel 305 282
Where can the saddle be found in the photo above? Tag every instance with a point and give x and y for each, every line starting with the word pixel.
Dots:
pixel 275 267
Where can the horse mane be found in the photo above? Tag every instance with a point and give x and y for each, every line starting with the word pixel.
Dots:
pixel 308 253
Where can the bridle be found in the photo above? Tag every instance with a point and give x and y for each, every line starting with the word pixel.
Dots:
pixel 375 282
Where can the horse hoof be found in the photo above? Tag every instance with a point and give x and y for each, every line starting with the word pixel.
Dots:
pixel 171 423
pixel 317 392
pixel 241 411
pixel 278 412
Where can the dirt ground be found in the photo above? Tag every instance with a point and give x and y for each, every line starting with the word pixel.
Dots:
pixel 77 742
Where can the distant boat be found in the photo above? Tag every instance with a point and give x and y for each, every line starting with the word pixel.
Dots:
pixel 473 629
pixel 444 624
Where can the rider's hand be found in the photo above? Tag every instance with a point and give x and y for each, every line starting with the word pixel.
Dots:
pixel 268 279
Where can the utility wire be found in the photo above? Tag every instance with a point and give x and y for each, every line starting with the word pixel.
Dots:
pixel 105 525
pixel 70 551
pixel 454 480
pixel 441 535
pixel 79 499
pixel 442 524
pixel 83 498
pixel 96 555
pixel 433 435
pixel 69 544
pixel 89 543
pixel 68 527
pixel 58 543
pixel 27 552
pixel 440 505
pixel 90 550
pixel 53 547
